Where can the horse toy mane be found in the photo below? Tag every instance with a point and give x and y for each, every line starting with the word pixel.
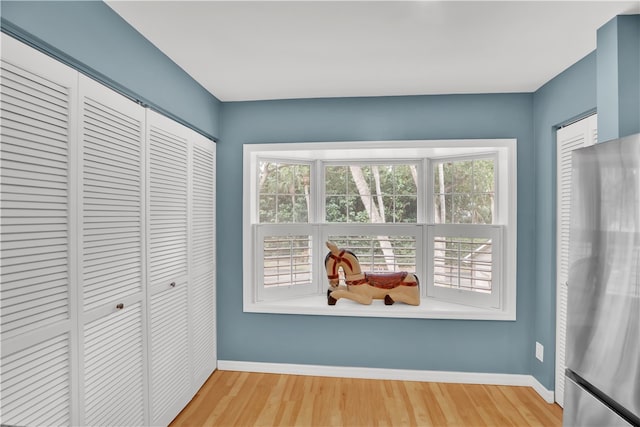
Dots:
pixel 364 287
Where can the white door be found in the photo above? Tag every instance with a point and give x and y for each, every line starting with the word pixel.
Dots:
pixel 203 271
pixel 112 256
pixel 168 282
pixel 38 100
pixel 576 135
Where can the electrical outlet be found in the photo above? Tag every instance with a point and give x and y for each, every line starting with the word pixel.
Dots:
pixel 539 351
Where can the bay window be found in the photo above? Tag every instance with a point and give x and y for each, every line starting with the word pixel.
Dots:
pixel 444 210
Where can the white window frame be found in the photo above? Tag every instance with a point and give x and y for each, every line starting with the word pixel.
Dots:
pixel 501 305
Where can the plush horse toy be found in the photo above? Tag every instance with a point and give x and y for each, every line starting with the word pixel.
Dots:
pixel 364 287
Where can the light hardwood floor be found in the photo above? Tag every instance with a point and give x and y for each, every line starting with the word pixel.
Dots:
pixel 252 399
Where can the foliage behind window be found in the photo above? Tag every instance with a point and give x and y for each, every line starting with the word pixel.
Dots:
pixel 371 193
pixel 464 191
pixel 284 192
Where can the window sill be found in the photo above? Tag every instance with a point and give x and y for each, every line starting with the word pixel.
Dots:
pixel 428 309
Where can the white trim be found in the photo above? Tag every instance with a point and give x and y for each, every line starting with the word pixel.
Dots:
pixel 429 308
pixel 390 374
pixel 545 393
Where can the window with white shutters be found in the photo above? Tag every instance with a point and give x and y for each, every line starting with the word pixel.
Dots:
pixel 444 210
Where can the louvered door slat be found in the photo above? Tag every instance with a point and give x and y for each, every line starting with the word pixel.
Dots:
pixel 203 206
pixel 45 286
pixel 113 353
pixel 34 380
pixel 17 99
pixel 168 188
pixel 35 133
pixel 112 251
pixel 112 197
pixel 171 380
pixel 569 138
pixel 203 260
pixel 204 329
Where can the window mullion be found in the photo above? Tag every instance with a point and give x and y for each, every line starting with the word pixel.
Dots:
pixel 425 180
pixel 317 214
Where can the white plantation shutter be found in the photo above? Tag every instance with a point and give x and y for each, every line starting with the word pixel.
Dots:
pixel 569 138
pixel 112 257
pixel 37 99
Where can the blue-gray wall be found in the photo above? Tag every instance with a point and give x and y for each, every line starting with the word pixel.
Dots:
pixel 92 37
pixel 606 81
pixel 568 96
pixel 456 345
pixel 618 68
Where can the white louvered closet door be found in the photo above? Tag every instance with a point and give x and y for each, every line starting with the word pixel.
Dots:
pixel 38 99
pixel 168 231
pixel 203 255
pixel 112 227
pixel 577 135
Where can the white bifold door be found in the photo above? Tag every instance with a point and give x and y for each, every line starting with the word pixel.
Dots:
pixel 576 135
pixel 108 252
pixel 39 260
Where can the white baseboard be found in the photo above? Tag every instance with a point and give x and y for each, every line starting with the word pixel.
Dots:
pixel 390 374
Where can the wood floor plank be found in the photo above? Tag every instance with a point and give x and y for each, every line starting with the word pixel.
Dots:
pixel 254 399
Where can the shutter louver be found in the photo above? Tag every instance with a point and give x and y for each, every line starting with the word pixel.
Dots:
pixel 203 208
pixel 169 353
pixel 112 205
pixel 35 384
pixel 35 199
pixel 113 365
pixel 168 190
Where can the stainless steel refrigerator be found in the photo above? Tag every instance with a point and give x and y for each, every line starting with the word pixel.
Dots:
pixel 602 385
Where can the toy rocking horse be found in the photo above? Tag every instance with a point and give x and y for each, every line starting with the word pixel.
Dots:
pixel 364 287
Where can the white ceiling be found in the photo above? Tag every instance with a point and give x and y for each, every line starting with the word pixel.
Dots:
pixel 253 50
